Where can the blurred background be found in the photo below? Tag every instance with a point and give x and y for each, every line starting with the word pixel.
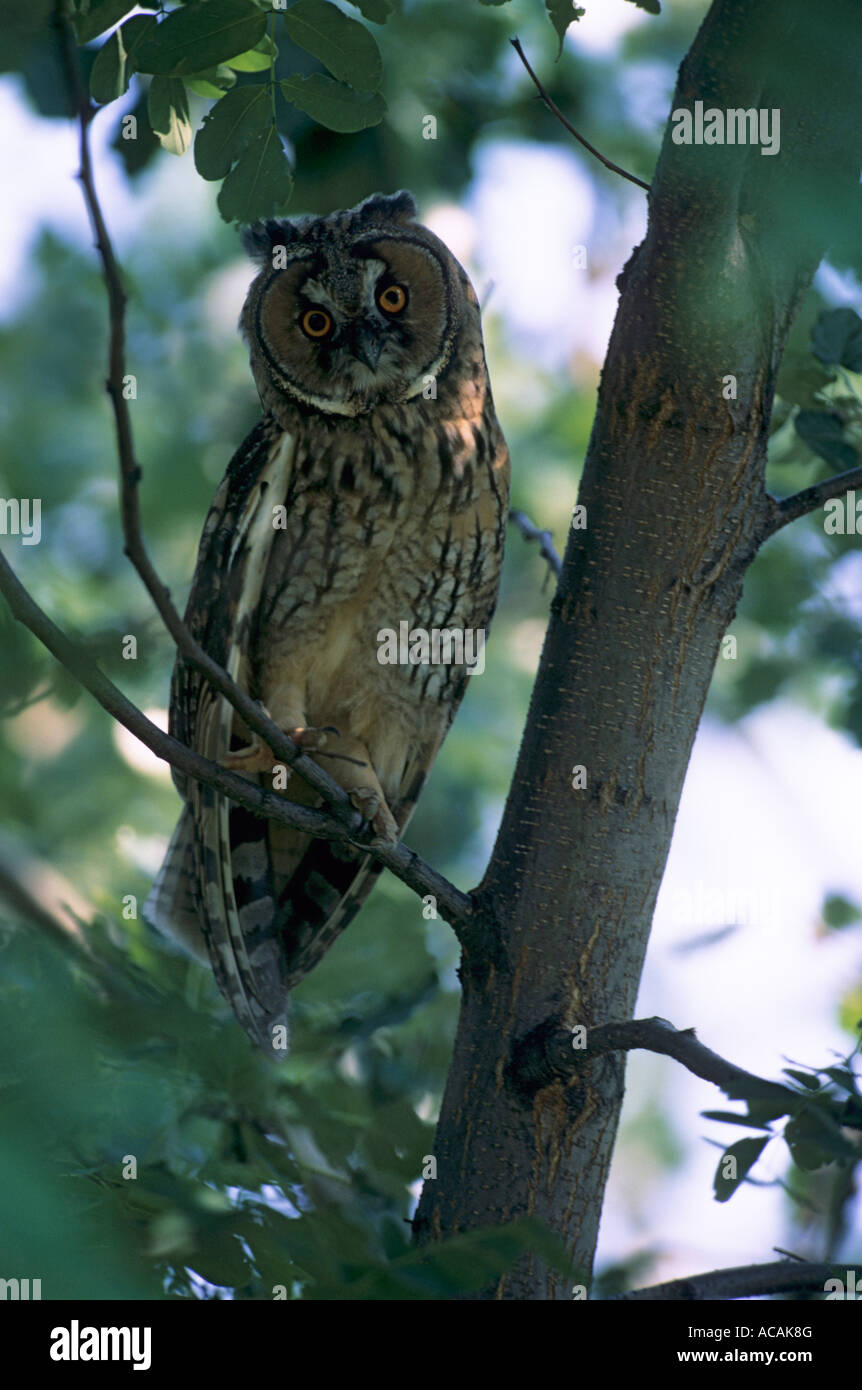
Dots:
pixel 145 1150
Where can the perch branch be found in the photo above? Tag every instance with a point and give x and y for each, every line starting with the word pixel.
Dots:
pixel 454 905
pixel 552 106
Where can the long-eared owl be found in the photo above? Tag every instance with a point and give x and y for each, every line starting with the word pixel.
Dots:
pixel 373 493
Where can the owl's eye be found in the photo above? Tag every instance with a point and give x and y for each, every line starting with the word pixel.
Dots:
pixel 316 323
pixel 393 299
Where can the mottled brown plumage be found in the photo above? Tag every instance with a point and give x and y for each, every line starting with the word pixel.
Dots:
pixel 373 492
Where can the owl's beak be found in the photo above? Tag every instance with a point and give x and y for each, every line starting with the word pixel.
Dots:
pixel 365 341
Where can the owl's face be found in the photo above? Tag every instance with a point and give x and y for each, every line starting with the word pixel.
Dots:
pixel 352 310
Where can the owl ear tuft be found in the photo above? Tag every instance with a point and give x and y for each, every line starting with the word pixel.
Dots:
pixel 395 207
pixel 261 238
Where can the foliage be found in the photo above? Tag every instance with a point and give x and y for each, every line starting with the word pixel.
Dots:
pixel 818 1111
pixel 205 46
pixel 155 1155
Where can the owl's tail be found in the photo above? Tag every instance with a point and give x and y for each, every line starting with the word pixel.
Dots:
pixel 171 904
pixel 226 924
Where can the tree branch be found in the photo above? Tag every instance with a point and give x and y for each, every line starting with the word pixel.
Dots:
pixel 455 906
pixel 548 1054
pixel 552 106
pixel 545 539
pixel 658 1035
pixel 345 823
pixel 240 789
pixel 801 503
pixel 250 710
pixel 744 1281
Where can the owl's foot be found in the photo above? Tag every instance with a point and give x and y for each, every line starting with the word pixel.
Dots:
pixel 374 809
pixel 257 756
pixel 310 740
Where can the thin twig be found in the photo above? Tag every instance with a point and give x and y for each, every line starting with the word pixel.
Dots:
pixel 453 905
pixel 250 710
pixel 552 106
pixel 545 539
pixel 745 1281
pixel 810 498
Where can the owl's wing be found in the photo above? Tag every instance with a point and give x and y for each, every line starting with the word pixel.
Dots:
pixel 215 882
pixel 232 557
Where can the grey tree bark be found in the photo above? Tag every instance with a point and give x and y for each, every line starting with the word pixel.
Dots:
pixel 677 508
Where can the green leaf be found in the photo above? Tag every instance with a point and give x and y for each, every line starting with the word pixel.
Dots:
pixel 228 127
pixel 837 337
pixel 651 6
pixel 260 184
pixel 562 13
pixel 376 10
pixel 728 1117
pixel 202 35
pixel 838 911
pixel 93 17
pixel 257 59
pixel 804 1078
pixel 212 82
pixel 332 104
pixel 843 1077
pixel 116 60
pixel 135 32
pixel 168 110
pixel 746 1152
pixel 750 1088
pixel 343 45
pixel 814 1139
pixel 109 76
pixel 823 432
pixel 762 1112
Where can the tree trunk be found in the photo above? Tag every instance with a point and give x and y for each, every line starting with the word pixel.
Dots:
pixel 676 504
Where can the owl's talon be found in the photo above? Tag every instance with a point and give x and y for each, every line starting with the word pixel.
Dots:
pixel 256 756
pixel 309 740
pixel 378 815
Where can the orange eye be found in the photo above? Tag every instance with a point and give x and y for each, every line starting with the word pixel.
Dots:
pixel 316 323
pixel 392 299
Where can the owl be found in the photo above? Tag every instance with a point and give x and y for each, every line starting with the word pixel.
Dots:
pixel 368 503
